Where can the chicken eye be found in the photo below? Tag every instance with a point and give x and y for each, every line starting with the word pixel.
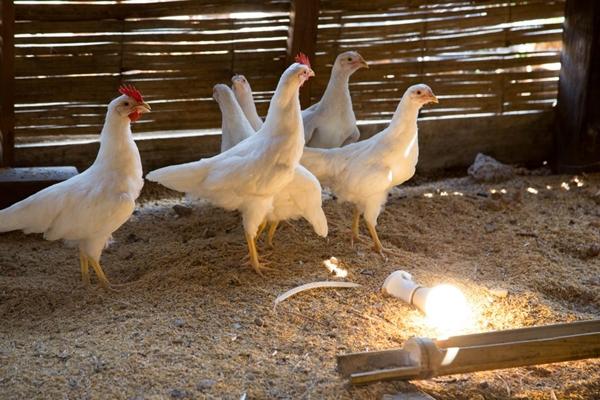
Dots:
pixel 419 92
pixel 126 103
pixel 349 58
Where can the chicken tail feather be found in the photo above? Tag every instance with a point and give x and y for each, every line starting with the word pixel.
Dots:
pixel 184 178
pixel 30 215
pixel 318 221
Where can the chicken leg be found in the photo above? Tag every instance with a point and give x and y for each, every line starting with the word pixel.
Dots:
pixel 355 225
pixel 261 228
pixel 272 228
pixel 376 242
pixel 253 254
pixel 102 279
pixel 85 269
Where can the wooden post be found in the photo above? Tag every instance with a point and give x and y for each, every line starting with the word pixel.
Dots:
pixel 304 17
pixel 7 84
pixel 577 141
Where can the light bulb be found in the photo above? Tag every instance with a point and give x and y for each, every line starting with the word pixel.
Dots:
pixel 445 306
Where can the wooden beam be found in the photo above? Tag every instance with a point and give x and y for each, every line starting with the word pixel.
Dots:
pixel 443 144
pixel 460 360
pixel 577 144
pixel 399 358
pixel 7 84
pixel 423 358
pixel 17 184
pixel 304 17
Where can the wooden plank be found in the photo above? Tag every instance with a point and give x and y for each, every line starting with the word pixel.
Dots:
pixel 460 360
pixel 399 358
pixel 521 334
pixel 98 11
pixel 304 16
pixel 149 24
pixel 519 354
pixel 17 184
pixel 577 145
pixel 519 139
pixel 151 36
pixel 7 83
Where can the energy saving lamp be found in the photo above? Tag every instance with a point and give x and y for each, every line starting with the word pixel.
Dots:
pixel 444 305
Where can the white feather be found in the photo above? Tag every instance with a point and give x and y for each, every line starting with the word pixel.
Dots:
pixel 301 198
pixel 89 207
pixel 362 173
pixel 331 122
pixel 248 175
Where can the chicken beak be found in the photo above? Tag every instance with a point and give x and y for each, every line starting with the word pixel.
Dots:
pixel 143 107
pixel 311 73
pixel 363 63
pixel 433 99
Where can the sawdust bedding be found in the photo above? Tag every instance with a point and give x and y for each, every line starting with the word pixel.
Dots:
pixel 192 321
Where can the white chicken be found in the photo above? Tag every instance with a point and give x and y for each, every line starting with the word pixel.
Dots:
pixel 331 122
pixel 89 207
pixel 363 173
pixel 243 94
pixel 247 176
pixel 234 125
pixel 301 198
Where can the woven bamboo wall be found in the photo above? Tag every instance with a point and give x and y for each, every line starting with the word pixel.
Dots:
pixel 71 58
pixel 479 56
pixel 483 56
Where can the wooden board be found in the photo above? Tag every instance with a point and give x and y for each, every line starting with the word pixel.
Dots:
pixel 443 144
pixel 18 183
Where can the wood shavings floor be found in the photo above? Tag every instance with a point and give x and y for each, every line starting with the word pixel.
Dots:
pixel 193 322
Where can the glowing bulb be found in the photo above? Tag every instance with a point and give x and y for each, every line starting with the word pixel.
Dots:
pixel 445 306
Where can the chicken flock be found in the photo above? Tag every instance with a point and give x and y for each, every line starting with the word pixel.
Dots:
pixel 270 171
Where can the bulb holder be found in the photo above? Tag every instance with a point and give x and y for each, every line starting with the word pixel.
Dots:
pixel 400 284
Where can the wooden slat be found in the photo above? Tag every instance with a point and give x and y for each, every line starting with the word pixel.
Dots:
pixel 148 24
pixel 98 11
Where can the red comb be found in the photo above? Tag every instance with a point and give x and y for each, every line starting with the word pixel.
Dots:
pixel 129 90
pixel 303 59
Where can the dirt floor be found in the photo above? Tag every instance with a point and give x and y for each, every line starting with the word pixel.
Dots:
pixel 193 322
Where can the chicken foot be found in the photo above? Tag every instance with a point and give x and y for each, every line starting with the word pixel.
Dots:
pixel 85 261
pixel 253 254
pixel 377 246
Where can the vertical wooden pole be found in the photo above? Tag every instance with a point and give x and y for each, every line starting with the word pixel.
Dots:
pixel 7 84
pixel 304 19
pixel 577 138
